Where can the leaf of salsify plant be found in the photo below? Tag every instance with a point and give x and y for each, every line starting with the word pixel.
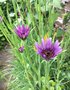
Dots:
pixel 56 3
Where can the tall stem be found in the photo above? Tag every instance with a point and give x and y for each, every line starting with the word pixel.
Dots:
pixel 47 69
pixel 39 74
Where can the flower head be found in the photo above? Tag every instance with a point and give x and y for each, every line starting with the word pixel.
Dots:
pixel 47 49
pixel 22 31
pixel 21 49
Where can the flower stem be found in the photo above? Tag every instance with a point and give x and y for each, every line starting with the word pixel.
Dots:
pixel 47 69
pixel 39 77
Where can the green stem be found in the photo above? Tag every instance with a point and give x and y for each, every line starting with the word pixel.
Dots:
pixel 29 81
pixel 47 69
pixel 39 76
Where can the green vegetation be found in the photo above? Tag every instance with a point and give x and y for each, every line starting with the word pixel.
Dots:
pixel 28 70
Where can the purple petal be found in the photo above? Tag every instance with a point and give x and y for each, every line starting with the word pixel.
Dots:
pixel 48 43
pixel 26 34
pixel 18 28
pixel 18 33
pixel 58 50
pixel 23 29
pixel 56 44
pixel 38 47
pixel 27 28
pixel 43 44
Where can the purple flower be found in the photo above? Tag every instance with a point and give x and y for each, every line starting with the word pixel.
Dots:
pixel 47 49
pixel 22 31
pixel 21 49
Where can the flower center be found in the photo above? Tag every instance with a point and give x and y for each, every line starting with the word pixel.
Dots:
pixel 49 53
pixel 23 35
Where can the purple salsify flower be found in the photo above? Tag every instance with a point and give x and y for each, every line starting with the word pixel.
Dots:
pixel 47 49
pixel 22 31
pixel 21 49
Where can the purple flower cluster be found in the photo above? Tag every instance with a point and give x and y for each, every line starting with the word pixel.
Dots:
pixel 22 31
pixel 47 49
